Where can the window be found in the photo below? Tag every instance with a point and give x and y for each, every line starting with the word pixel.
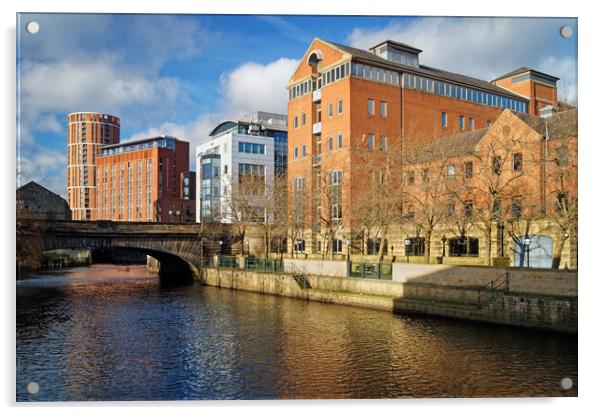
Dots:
pixel 415 247
pixel 299 245
pixel 296 122
pixel 411 178
pixel 451 171
pixel 336 211
pixel 329 143
pixel 383 143
pixel 337 246
pixel 340 106
pixel 303 119
pixel 336 178
pixel 450 210
pixel 225 169
pixel 496 165
pixel 517 207
pixel 468 170
pixel 471 123
pixel 251 148
pixel 496 210
pixel 517 162
pixel 330 109
pixel 468 208
pixel 340 139
pixel 488 123
pixel 383 108
pixel 370 141
pixel 463 246
pixel 303 151
pixel 370 107
pixel 296 153
pixel 299 184
pixel 461 122
pixel 444 119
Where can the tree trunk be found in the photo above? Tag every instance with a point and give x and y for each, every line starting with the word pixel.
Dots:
pixel 488 245
pixel 427 246
pixel 381 248
pixel 558 247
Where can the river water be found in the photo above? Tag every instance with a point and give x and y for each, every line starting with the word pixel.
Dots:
pixel 110 332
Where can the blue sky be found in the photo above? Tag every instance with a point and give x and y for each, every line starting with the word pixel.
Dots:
pixel 183 74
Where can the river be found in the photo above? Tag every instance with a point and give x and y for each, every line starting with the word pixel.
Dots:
pixel 110 332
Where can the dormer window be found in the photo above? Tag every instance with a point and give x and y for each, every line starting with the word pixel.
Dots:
pixel 397 52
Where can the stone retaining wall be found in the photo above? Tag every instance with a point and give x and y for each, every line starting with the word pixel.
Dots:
pixel 528 310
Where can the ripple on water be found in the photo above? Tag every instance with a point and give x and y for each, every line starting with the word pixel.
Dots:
pixel 103 333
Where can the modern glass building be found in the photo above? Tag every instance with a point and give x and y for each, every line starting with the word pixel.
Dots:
pixel 255 145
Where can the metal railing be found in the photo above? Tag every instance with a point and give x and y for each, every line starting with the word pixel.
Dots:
pixel 264 265
pixel 370 271
pixel 489 291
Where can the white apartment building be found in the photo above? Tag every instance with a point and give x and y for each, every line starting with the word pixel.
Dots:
pixel 255 145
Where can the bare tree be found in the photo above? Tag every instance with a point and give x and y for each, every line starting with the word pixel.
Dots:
pixel 297 215
pixel 426 193
pixel 493 184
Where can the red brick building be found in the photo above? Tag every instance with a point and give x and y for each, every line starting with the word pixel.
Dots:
pixel 350 107
pixel 145 181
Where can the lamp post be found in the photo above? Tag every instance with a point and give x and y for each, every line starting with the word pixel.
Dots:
pixel 408 242
pixel 527 243
pixel 348 242
pixel 220 246
pixel 443 241
pixel 249 248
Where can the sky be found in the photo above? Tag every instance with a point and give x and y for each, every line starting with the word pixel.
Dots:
pixel 182 75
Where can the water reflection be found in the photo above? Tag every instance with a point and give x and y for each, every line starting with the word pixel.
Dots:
pixel 107 333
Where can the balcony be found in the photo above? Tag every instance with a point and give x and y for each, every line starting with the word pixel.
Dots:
pixel 317 128
pixel 316 95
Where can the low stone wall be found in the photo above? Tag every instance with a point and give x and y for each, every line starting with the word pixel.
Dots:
pixel 521 280
pixel 528 310
pixel 315 267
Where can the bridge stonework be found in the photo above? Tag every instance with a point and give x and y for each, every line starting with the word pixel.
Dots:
pixel 176 246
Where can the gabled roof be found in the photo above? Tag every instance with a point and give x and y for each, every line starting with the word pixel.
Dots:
pixel 449 146
pixel 33 186
pixel 371 58
pixel 522 70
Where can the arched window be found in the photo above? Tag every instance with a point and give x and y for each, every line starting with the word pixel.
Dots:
pixel 299 245
pixel 314 58
pixel 336 177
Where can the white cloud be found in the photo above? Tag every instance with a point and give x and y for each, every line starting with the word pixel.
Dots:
pixel 45 166
pixel 480 47
pixel 257 87
pixel 248 88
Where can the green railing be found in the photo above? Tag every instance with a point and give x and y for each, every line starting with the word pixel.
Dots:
pixel 264 265
pixel 228 262
pixel 371 271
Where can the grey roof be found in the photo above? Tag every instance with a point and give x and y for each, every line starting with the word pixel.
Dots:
pixel 559 126
pixel 449 146
pixel 399 44
pixel 524 69
pixel 141 140
pixel 370 57
pixel 34 186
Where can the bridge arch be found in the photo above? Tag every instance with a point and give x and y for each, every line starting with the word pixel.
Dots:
pixel 176 247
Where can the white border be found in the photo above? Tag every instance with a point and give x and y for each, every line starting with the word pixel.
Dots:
pixel 590 149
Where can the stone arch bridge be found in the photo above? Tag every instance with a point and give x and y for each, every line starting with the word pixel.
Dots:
pixel 177 246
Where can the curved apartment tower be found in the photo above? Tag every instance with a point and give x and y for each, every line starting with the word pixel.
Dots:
pixel 86 133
